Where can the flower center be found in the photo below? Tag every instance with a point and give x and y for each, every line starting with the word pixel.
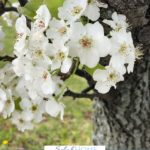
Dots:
pixel 38 53
pixel 19 35
pixel 41 24
pixel 34 108
pixel 8 102
pixel 123 49
pixel 62 30
pixel 45 75
pixel 21 120
pixel 90 1
pixel 60 55
pixel 86 42
pixel 112 76
pixel 118 27
pixel 76 10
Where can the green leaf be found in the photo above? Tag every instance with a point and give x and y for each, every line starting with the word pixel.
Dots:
pixel 30 8
pixel 76 83
pixel 9 39
pixel 91 70
pixel 53 6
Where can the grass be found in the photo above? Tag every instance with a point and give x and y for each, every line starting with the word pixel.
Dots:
pixel 74 130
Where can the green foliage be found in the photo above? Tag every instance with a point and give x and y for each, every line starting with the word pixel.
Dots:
pixel 76 83
pixel 53 6
pixel 9 39
pixel 30 8
pixel 91 70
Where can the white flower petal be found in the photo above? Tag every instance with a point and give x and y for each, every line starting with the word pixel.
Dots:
pixel 102 87
pixel 66 65
pixel 53 108
pixel 100 75
pixel 92 12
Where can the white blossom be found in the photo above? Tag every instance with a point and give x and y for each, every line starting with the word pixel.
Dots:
pixel 72 10
pixel 92 10
pixel 22 124
pixel 9 104
pixel 105 79
pixel 60 59
pixel 53 108
pixel 118 23
pixel 36 110
pixel 1 38
pixel 22 33
pixel 123 51
pixel 58 30
pixel 3 99
pixel 89 43
pixel 42 17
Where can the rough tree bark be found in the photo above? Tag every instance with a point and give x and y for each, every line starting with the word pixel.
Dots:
pixel 124 122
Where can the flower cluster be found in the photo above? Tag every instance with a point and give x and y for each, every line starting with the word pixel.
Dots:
pixel 30 86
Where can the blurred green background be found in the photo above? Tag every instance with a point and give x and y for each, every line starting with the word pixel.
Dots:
pixel 75 129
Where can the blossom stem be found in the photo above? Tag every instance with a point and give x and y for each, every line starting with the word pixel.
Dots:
pixel 7 58
pixel 4 9
pixel 22 2
pixel 92 96
pixel 88 89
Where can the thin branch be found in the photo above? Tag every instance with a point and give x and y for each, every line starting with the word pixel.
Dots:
pixel 73 68
pixel 93 96
pixel 22 2
pixel 4 9
pixel 7 58
pixel 79 95
pixel 88 89
pixel 87 76
pixel 7 9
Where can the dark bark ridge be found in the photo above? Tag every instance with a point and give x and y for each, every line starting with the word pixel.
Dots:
pixel 124 122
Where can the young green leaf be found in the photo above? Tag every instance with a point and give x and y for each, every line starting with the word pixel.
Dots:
pixel 91 70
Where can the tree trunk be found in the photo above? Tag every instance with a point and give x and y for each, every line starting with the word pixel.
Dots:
pixel 124 122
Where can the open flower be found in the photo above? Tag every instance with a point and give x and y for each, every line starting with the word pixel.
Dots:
pixel 53 108
pixel 3 99
pixel 72 10
pixel 89 43
pixel 22 32
pixel 42 19
pixel 92 10
pixel 36 109
pixel 106 79
pixel 123 51
pixel 118 23
pixel 9 104
pixel 58 30
pixel 60 59
pixel 21 122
